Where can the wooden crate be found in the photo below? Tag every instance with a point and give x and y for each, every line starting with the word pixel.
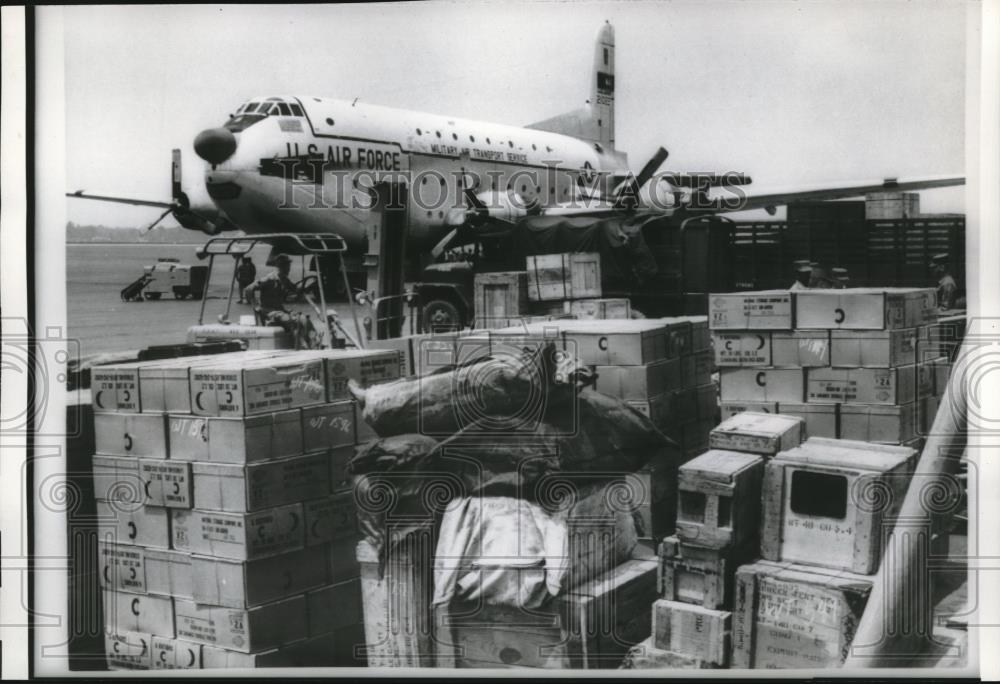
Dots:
pixel 564 276
pixel 826 502
pixel 699 575
pixel 794 616
pixel 719 498
pixel 690 630
pixel 500 297
pixel 590 627
pixel 398 627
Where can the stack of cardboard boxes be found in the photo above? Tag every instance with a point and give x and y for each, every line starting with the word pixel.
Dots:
pixel 853 363
pixel 813 513
pixel 226 523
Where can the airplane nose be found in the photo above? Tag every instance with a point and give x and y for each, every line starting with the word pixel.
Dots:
pixel 215 145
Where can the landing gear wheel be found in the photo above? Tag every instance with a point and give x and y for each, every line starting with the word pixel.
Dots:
pixel 152 295
pixel 440 315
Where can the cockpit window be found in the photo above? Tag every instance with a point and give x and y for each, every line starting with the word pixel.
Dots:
pixel 250 107
pixel 283 108
pixel 296 110
pixel 252 112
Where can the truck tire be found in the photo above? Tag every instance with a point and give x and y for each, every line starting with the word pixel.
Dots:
pixel 440 315
pixel 181 293
pixel 152 295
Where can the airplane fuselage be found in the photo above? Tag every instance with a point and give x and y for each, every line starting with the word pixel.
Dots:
pixel 310 173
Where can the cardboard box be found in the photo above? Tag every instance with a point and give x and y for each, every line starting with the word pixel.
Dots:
pixel 433 352
pixel 762 384
pixel 645 656
pixel 244 584
pixel 115 388
pixel 253 629
pixel 164 386
pixel 639 382
pixel 700 575
pixel 731 408
pixel 266 484
pixel 614 343
pixel 130 434
pixel 116 478
pixel 873 348
pixel 144 571
pixel 500 296
pixel 700 334
pixel 810 498
pixel 328 426
pixel 334 606
pixel 862 308
pixel 881 424
pixel 126 650
pixel 133 524
pixel 742 348
pixel 693 404
pixel 563 276
pixel 138 613
pixel 236 440
pixel 719 499
pixel 175 654
pixel 238 536
pixel 339 460
pixel 792 616
pixel 661 409
pixel 758 433
pixel 821 420
pixel 166 483
pixel 330 517
pixel 694 631
pixel 600 309
pixel 887 386
pixel 696 369
pixel 364 366
pixel 761 310
pixel 258 386
pixel 800 348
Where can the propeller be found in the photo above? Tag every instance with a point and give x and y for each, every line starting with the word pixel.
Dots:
pixel 627 194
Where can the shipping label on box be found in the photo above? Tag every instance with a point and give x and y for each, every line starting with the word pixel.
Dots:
pixel 130 434
pixel 696 369
pixel 692 630
pixel 138 613
pixel 238 488
pixel 126 650
pixel 117 478
pixel 873 349
pixel 335 606
pixel 166 483
pixel 364 366
pixel 243 584
pixel 164 386
pixel 639 382
pixel 762 384
pixel 175 654
pixel 762 310
pixel 258 386
pixel 115 388
pixel 731 408
pixel 133 524
pixel 882 424
pixel 758 433
pixel 820 419
pixel 120 567
pixel 742 348
pixel 328 426
pixel 800 348
pixel 255 629
pixel 239 536
pixel 331 517
pixel 887 386
pixel 255 438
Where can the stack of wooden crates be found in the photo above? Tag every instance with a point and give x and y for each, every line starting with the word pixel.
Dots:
pixel 551 286
pixel 853 363
pixel 776 543
pixel 226 524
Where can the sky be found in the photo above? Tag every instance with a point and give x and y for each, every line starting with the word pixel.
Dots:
pixel 789 92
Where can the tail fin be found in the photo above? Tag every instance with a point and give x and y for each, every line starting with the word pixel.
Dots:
pixel 595 121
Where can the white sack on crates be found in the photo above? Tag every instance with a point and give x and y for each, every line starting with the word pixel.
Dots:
pixel 510 552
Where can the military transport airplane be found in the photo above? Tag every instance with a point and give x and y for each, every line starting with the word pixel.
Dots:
pixel 305 164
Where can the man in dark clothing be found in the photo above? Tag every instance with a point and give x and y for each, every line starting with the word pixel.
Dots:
pixel 947 288
pixel 246 273
pixel 272 291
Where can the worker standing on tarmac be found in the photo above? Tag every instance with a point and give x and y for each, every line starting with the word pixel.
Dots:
pixel 246 273
pixel 840 277
pixel 820 277
pixel 802 273
pixel 947 288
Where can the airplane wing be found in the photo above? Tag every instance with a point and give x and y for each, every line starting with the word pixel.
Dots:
pixel 121 200
pixel 828 191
